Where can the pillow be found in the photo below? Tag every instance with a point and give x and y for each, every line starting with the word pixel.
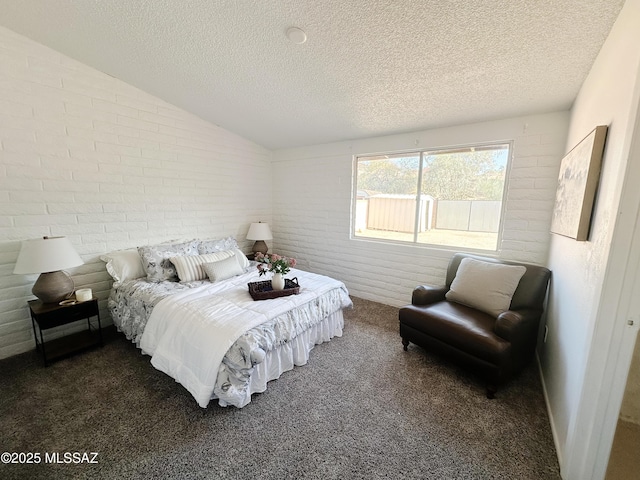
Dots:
pixel 485 286
pixel 216 245
pixel 190 269
pixel 124 265
pixel 242 259
pixel 155 259
pixel 223 269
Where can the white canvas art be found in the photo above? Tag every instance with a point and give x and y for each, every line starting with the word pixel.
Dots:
pixel 577 182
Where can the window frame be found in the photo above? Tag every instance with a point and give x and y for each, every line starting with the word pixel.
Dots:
pixel 422 153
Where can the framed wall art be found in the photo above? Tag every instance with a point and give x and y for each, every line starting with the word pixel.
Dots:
pixel 577 182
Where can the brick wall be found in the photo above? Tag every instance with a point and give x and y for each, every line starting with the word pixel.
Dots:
pixel 313 195
pixel 87 156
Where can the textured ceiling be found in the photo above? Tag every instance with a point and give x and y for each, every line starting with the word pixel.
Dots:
pixel 368 68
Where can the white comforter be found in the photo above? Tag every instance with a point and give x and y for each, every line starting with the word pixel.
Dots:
pixel 189 333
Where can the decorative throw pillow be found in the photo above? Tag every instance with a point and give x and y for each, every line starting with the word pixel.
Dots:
pixel 190 269
pixel 124 265
pixel 216 245
pixel 223 269
pixel 155 259
pixel 485 286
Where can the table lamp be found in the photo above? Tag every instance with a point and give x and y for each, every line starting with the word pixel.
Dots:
pixel 48 256
pixel 259 232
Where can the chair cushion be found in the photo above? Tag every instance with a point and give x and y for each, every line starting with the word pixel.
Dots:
pixel 489 287
pixel 459 326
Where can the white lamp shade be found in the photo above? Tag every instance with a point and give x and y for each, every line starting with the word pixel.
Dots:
pixel 48 254
pixel 259 231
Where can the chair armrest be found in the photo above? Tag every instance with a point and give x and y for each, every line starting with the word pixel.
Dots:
pixel 426 295
pixel 516 326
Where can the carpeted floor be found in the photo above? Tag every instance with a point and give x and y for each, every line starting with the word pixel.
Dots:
pixel 361 408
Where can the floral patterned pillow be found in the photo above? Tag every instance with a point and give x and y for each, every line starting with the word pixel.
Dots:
pixel 155 259
pixel 217 245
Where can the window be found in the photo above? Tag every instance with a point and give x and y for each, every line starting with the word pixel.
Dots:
pixel 449 197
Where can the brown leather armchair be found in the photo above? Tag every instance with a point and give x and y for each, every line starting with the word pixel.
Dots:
pixel 494 348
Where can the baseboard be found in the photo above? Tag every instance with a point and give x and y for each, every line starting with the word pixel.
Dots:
pixel 554 432
pixel 629 419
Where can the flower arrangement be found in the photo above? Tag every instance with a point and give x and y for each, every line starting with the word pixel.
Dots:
pixel 272 262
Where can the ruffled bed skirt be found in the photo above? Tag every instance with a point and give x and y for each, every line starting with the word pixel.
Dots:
pixel 284 358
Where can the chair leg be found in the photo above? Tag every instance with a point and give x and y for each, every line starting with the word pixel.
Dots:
pixel 405 344
pixel 491 391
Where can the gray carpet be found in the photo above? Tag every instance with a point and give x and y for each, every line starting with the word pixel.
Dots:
pixel 361 408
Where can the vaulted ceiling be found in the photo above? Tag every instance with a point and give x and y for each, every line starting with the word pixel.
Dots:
pixel 368 67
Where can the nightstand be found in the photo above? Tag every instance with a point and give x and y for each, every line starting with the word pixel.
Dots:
pixel 49 315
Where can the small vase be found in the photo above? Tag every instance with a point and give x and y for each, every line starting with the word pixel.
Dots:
pixel 277 282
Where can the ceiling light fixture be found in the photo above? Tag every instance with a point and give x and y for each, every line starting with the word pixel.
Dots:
pixel 296 35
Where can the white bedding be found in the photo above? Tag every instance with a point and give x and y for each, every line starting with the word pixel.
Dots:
pixel 189 333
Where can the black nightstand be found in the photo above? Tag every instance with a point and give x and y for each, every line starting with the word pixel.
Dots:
pixel 49 315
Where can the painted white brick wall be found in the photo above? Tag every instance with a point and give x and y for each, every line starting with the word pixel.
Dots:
pixel 87 156
pixel 313 192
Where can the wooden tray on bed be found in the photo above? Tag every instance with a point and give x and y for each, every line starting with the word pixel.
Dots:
pixel 263 290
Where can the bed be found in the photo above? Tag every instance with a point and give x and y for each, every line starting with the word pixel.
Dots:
pixel 211 336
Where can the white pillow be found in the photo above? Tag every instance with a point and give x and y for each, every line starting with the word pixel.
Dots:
pixel 485 286
pixel 124 265
pixel 223 269
pixel 190 269
pixel 242 259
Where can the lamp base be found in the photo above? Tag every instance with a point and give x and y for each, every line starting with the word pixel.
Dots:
pixel 260 246
pixel 53 287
